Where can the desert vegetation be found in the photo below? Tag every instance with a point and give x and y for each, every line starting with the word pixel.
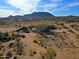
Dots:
pixel 14 48
pixel 50 53
pixel 39 39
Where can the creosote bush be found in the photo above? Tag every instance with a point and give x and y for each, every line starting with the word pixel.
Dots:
pixel 4 37
pixel 77 36
pixel 18 46
pixel 32 52
pixel 50 53
pixel 40 40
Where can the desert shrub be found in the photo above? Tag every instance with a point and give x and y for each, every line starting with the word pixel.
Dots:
pixel 35 41
pixel 2 58
pixel 8 55
pixel 62 24
pixel 19 47
pixel 11 45
pixel 52 27
pixel 15 57
pixel 4 37
pixel 77 35
pixel 64 32
pixel 50 53
pixel 13 36
pixel 40 40
pixel 19 26
pixel 69 30
pixel 23 36
pixel 17 40
pixel 6 34
pixel 45 47
pixel 32 52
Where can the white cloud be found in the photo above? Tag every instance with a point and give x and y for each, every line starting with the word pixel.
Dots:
pixel 21 7
pixel 53 5
pixel 56 1
pixel 3 13
pixel 6 13
pixel 26 6
pixel 48 7
pixel 73 4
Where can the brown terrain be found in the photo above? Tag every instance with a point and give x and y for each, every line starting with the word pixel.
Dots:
pixel 61 36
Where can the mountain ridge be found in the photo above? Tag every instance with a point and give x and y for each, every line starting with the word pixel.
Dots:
pixel 38 15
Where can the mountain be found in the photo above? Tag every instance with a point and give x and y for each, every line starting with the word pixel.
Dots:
pixel 35 15
pixel 39 16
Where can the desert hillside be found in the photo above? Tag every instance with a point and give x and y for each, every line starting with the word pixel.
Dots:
pixel 39 39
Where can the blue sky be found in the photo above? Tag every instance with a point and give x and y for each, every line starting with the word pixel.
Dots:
pixel 56 7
